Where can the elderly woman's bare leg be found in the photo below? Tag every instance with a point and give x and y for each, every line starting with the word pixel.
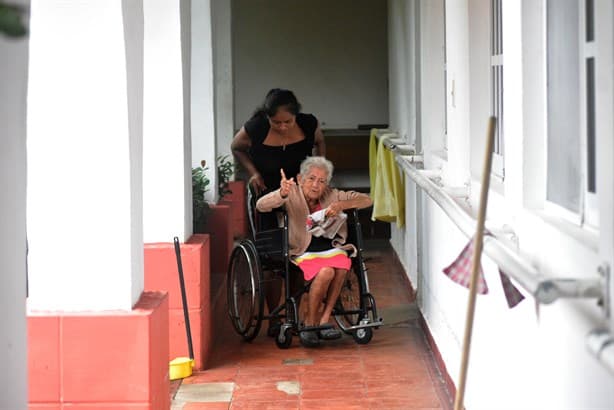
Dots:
pixel 317 292
pixel 333 293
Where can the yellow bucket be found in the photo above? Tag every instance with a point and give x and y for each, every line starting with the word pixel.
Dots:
pixel 180 368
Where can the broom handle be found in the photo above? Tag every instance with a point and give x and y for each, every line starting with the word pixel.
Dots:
pixel 186 316
pixel 475 265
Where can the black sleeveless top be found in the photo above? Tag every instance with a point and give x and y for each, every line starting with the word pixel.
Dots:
pixel 268 159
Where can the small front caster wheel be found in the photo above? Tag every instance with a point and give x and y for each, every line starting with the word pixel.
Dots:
pixel 284 338
pixel 363 336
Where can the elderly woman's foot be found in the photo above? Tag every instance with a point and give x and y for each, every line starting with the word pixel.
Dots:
pixel 309 338
pixel 329 334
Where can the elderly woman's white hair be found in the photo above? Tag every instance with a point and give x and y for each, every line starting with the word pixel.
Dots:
pixel 317 162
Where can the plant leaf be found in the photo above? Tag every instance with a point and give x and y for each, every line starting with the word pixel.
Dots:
pixel 10 21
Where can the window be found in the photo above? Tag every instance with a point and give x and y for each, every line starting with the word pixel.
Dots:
pixel 496 84
pixel 591 215
pixel 571 86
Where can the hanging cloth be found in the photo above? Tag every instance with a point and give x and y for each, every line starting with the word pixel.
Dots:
pixel 387 184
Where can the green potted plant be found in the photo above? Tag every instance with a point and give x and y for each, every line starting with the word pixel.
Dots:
pixel 200 207
pixel 225 169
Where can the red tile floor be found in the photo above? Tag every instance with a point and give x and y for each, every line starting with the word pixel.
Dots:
pixel 396 370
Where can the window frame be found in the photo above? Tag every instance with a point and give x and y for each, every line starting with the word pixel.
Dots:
pixel 587 215
pixel 496 86
pixel 588 53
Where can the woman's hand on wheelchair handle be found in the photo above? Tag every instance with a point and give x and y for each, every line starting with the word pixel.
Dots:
pixel 257 183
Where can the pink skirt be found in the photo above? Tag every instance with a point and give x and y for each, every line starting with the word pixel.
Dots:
pixel 312 262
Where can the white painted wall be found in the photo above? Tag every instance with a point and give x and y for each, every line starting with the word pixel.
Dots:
pixel 84 217
pixel 605 130
pixel 13 343
pixel 333 55
pixel 202 92
pixel 166 123
pixel 529 357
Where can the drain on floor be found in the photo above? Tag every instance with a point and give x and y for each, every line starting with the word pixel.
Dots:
pixel 297 362
pixel 204 392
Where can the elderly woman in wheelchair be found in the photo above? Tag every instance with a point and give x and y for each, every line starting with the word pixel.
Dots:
pixel 317 239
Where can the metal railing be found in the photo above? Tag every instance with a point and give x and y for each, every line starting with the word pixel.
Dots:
pixel 544 289
pixel 599 342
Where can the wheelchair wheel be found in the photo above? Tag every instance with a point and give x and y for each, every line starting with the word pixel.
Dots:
pixel 349 307
pixel 284 339
pixel 363 336
pixel 245 299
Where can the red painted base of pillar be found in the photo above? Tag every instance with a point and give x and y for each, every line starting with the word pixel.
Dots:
pixel 102 360
pixel 237 200
pixel 161 274
pixel 220 228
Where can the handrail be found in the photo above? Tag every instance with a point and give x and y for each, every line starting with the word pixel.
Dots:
pixel 545 290
pixel 600 343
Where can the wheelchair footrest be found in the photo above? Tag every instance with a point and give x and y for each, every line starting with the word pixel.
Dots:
pixel 377 323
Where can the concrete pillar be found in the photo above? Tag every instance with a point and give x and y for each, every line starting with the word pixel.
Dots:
pixel 167 177
pixel 175 109
pixel 84 209
pixel 221 12
pixel 14 69
pixel 84 155
pixel 203 91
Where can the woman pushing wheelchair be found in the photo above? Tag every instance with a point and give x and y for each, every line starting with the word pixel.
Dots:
pixel 317 235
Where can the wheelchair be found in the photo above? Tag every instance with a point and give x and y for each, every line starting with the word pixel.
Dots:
pixel 355 310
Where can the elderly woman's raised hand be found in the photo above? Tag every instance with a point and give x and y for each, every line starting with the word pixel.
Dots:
pixel 285 184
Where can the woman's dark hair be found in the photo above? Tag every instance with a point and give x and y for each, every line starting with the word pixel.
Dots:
pixel 277 98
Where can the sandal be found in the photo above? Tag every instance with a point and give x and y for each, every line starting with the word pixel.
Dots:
pixel 309 338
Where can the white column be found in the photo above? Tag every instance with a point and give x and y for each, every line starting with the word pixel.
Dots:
pixel 222 62
pixel 13 344
pixel 167 180
pixel 84 153
pixel 203 89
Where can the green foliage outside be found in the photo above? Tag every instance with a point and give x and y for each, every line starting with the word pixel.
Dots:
pixel 200 207
pixel 11 23
pixel 225 169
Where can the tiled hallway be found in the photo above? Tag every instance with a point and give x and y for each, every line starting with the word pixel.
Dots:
pixel 396 370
